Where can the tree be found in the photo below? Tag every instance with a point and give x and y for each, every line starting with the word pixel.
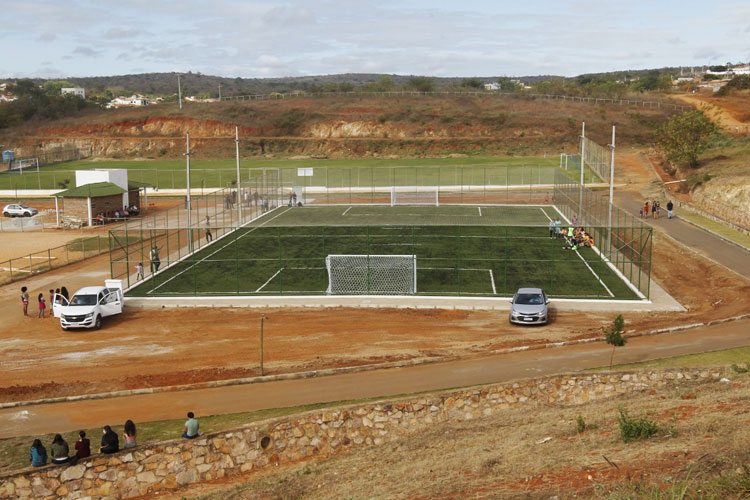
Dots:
pixel 54 87
pixel 683 137
pixel 421 83
pixel 613 335
pixel 472 83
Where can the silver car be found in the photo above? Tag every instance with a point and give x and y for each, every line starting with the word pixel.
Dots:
pixel 529 307
pixel 19 210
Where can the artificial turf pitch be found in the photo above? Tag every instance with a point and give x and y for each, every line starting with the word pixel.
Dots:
pixel 461 250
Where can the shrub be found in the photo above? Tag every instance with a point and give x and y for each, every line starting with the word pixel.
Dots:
pixel 582 425
pixel 635 429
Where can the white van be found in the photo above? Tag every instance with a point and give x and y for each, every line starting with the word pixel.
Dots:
pixel 88 306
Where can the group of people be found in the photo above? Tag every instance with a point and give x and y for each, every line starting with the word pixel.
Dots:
pixel 110 443
pixel 117 215
pixel 54 296
pixel 655 209
pixel 574 235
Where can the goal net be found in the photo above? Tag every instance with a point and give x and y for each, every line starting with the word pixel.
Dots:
pixel 22 164
pixel 371 274
pixel 412 196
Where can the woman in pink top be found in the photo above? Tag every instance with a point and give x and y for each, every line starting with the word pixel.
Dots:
pixel 129 435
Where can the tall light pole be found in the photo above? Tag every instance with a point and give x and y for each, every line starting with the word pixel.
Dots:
pixel 179 91
pixel 239 184
pixel 219 92
pixel 611 189
pixel 583 167
pixel 188 205
pixel 262 319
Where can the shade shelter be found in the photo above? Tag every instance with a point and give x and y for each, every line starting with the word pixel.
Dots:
pixel 85 201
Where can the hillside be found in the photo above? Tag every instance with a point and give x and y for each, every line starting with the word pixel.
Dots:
pixel 345 126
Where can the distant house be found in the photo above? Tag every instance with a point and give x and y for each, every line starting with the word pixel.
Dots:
pixel 492 86
pixel 7 98
pixel 741 70
pixel 134 100
pixel 77 91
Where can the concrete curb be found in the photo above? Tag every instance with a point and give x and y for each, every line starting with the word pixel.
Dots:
pixel 339 371
pixel 724 238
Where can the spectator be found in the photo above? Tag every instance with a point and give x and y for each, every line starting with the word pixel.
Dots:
pixel 139 271
pixel 670 209
pixel 155 260
pixel 110 441
pixel 83 446
pixel 191 427
pixel 25 300
pixel 51 297
pixel 128 436
pixel 58 296
pixel 42 305
pixel 38 454
pixel 59 450
pixel 64 292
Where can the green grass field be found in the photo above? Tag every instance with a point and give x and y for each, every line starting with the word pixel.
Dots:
pixel 461 250
pixel 210 174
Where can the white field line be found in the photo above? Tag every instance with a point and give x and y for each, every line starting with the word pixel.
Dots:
pixel 611 266
pixel 545 214
pixel 492 279
pixel 346 210
pixel 261 287
pixel 595 275
pixel 219 250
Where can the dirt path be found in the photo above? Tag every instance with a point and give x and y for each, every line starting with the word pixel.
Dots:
pixel 233 399
pixel 726 120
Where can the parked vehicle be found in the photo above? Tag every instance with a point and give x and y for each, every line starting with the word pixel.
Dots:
pixel 19 210
pixel 87 307
pixel 529 307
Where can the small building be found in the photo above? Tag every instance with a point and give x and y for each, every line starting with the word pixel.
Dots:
pixel 134 100
pixel 100 192
pixel 492 86
pixel 76 91
pixel 741 70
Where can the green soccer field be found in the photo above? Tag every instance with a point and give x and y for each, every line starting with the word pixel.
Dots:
pixel 460 250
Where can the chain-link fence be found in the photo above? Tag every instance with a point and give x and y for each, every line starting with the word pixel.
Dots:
pixel 451 260
pixel 178 232
pixel 38 262
pixel 627 246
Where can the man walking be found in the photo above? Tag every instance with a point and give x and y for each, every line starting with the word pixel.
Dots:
pixel 209 236
pixel 670 208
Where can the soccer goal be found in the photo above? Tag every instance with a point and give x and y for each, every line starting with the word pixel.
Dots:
pixel 413 196
pixel 371 274
pixel 25 163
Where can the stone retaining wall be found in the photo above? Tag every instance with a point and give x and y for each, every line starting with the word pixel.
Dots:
pixel 169 465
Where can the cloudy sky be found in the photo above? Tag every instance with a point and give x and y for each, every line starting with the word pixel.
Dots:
pixel 252 38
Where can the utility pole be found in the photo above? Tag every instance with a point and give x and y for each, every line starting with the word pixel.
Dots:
pixel 262 318
pixel 219 92
pixel 179 91
pixel 583 167
pixel 188 205
pixel 611 190
pixel 239 184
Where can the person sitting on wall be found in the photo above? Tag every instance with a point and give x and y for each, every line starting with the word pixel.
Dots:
pixel 59 450
pixel 110 441
pixel 191 427
pixel 38 454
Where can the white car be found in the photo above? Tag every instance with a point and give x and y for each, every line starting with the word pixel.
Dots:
pixel 19 210
pixel 87 307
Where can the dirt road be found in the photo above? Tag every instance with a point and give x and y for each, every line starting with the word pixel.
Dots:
pixel 93 413
pixel 725 119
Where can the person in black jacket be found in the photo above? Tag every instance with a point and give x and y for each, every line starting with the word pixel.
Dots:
pixel 110 441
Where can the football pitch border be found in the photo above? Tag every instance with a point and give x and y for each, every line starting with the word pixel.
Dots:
pixel 427 300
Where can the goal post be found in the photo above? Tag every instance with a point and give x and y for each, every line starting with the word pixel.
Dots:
pixel 428 195
pixel 24 163
pixel 371 274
